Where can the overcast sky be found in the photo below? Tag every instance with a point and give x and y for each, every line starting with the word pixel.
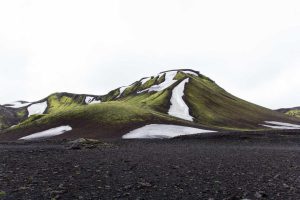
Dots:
pixel 250 48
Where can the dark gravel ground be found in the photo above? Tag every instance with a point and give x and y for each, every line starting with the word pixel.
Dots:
pixel 234 168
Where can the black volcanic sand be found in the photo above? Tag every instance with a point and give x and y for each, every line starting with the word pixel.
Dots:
pixel 184 168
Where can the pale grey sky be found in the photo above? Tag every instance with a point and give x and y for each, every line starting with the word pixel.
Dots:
pixel 251 48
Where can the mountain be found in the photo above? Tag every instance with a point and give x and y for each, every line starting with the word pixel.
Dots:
pixel 7 117
pixel 156 104
pixel 294 112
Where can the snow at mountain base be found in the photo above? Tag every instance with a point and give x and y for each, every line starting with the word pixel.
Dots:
pixel 280 125
pixel 162 131
pixel 37 108
pixel 17 104
pixel 178 106
pixel 48 133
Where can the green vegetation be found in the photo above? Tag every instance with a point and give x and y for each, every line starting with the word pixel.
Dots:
pixel 22 113
pixel 161 79
pixel 131 89
pixel 149 83
pixel 58 102
pixel 2 193
pixel 30 120
pixel 111 95
pixel 294 113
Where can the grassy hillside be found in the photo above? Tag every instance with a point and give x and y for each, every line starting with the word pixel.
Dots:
pixel 105 120
pixel 294 113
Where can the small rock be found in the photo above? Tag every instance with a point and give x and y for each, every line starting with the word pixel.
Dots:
pixel 144 184
pixel 260 195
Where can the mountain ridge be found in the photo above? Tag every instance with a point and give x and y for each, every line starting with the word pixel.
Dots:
pixel 143 102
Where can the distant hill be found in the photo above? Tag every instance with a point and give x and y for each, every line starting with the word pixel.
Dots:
pixel 294 112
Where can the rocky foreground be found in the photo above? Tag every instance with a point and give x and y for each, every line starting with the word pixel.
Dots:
pixel 183 168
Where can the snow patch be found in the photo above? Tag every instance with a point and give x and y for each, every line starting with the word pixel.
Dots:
pixel 163 131
pixel 280 125
pixel 121 89
pixel 145 80
pixel 37 108
pixel 91 100
pixel 178 106
pixel 17 104
pixel 88 99
pixel 48 133
pixel 95 101
pixel 169 80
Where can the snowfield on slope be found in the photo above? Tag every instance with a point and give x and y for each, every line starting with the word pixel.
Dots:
pixel 17 104
pixel 162 131
pixel 178 106
pixel 121 90
pixel 48 133
pixel 88 99
pixel 37 108
pixel 169 80
pixel 91 100
pixel 280 125
pixel 145 80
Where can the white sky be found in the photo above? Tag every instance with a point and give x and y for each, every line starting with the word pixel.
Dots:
pixel 251 48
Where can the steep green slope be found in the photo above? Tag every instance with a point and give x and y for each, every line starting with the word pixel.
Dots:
pixel 209 104
pixel 212 105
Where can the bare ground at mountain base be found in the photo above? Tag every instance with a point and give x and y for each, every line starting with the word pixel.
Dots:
pixel 217 167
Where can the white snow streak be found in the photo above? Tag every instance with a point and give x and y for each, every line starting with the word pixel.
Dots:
pixel 145 80
pixel 95 101
pixel 91 100
pixel 38 108
pixel 169 80
pixel 122 89
pixel 17 104
pixel 280 125
pixel 178 106
pixel 88 99
pixel 48 133
pixel 162 131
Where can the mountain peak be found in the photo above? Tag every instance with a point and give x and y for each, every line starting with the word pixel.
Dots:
pixel 191 71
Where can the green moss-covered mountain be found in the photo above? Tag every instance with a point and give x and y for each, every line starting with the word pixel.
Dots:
pixel 294 112
pixel 146 101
